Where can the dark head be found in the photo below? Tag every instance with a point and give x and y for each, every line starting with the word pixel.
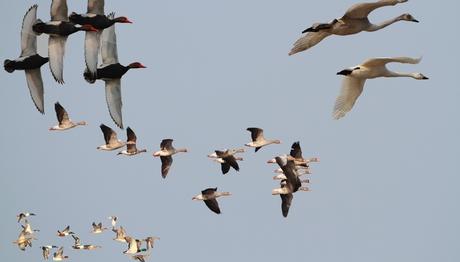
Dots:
pixel 136 65
pixel 9 66
pixel 123 20
pixel 88 28
pixel 347 71
pixel 408 17
pixel 38 27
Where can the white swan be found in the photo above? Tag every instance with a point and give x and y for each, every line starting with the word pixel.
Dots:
pixel 354 20
pixel 355 77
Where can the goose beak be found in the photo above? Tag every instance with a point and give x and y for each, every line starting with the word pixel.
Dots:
pixel 425 78
pixel 271 161
pixel 414 20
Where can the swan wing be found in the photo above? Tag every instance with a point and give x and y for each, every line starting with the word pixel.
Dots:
pixel 109 51
pixel 307 41
pixel 351 89
pixel 96 7
pixel 56 50
pixel 35 84
pixel 362 10
pixel 91 50
pixel 113 97
pixel 59 10
pixel 28 37
pixel 381 61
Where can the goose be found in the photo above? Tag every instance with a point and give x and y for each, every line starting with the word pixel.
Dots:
pixel 150 241
pixel 209 196
pixel 24 240
pixel 59 255
pixel 65 232
pixel 165 154
pixel 46 251
pixel 111 71
pixel 97 228
pixel 286 194
pixel 355 77
pixel 231 151
pixel 113 219
pixel 58 29
pixel 225 166
pixel 288 167
pixel 120 234
pixel 63 119
pixel 131 148
pixel 354 20
pixel 283 176
pixel 79 246
pixel 22 216
pixel 301 170
pixel 111 140
pixel 29 60
pixel 296 153
pixel 95 17
pixel 258 140
pixel 227 159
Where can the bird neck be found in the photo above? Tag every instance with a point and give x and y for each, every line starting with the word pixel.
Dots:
pixel 374 27
pixel 397 74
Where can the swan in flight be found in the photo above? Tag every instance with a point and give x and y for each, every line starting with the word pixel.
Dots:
pixel 354 20
pixel 355 77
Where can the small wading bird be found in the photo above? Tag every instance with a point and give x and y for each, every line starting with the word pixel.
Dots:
pixel 354 21
pixel 355 77
pixel 29 60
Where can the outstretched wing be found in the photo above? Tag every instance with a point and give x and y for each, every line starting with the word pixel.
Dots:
pixel 351 89
pixel 59 10
pixel 296 151
pixel 381 61
pixel 286 200
pixel 61 114
pixel 96 7
pixel 213 205
pixel 256 133
pixel 109 51
pixel 35 84
pixel 28 37
pixel 56 50
pixel 307 41
pixel 113 98
pixel 362 10
pixel 166 162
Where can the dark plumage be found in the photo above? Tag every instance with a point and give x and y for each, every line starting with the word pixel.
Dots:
pixel 31 62
pixel 97 21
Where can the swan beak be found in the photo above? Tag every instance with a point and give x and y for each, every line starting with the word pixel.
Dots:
pixel 425 78
pixel 415 20
pixel 345 72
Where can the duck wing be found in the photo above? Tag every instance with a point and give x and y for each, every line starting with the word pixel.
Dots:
pixel 92 40
pixel 56 50
pixel 59 10
pixel 35 85
pixel 113 98
pixel 96 7
pixel 28 37
pixel 109 51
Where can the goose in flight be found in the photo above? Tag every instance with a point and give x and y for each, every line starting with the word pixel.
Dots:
pixel 63 119
pixel 227 159
pixel 131 148
pixel 46 251
pixel 111 140
pixel 286 194
pixel 58 29
pixel 166 152
pixel 354 20
pixel 209 196
pixel 59 255
pixel 65 232
pixel 22 216
pixel 96 18
pixel 111 71
pixel 29 60
pixel 296 155
pixel 355 77
pixel 97 228
pixel 258 139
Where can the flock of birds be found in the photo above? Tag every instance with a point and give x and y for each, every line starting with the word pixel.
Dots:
pixel 135 248
pixel 100 40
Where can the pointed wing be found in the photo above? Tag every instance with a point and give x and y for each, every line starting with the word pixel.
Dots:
pixel 35 85
pixel 213 205
pixel 28 37
pixel 131 135
pixel 351 89
pixel 381 61
pixel 230 160
pixel 61 114
pixel 109 51
pixel 113 98
pixel 362 10
pixel 56 50
pixel 96 7
pixel 109 136
pixel 59 252
pixel 286 200
pixel 307 41
pixel 92 40
pixel 66 230
pixel 225 167
pixel 59 10
pixel 256 133
pixel 166 162
pixel 166 144
pixel 296 151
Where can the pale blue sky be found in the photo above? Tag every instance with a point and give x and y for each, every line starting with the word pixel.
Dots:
pixel 387 185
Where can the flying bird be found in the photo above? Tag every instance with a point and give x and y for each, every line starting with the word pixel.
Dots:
pixel 131 148
pixel 29 60
pixel 64 121
pixel 111 140
pixel 209 196
pixel 355 77
pixel 227 159
pixel 22 216
pixel 354 20
pixel 98 228
pixel 258 139
pixel 46 251
pixel 59 255
pixel 65 232
pixel 166 152
pixel 79 246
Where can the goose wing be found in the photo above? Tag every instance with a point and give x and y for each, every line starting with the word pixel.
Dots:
pixel 113 98
pixel 286 200
pixel 35 85
pixel 213 205
pixel 166 144
pixel 96 7
pixel 296 151
pixel 28 37
pixel 231 161
pixel 59 10
pixel 56 50
pixel 109 51
pixel 351 89
pixel 225 167
pixel 307 41
pixel 362 10
pixel 61 114
pixel 59 252
pixel 166 162
pixel 381 61
pixel 92 40
pixel 109 136
pixel 131 138
pixel 256 133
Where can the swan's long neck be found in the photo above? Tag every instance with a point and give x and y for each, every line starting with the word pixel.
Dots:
pixel 374 27
pixel 396 74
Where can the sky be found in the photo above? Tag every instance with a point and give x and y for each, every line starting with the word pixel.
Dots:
pixel 386 188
